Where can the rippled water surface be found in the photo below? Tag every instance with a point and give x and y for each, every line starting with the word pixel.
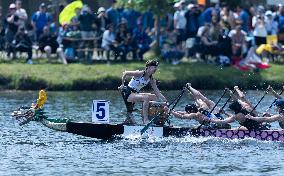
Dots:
pixel 36 150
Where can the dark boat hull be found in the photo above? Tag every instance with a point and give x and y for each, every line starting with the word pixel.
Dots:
pixel 108 131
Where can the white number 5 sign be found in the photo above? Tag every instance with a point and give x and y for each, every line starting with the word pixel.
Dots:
pixel 100 111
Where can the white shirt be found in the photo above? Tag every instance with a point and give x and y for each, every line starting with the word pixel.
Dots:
pixel 138 83
pixel 180 19
pixel 259 27
pixel 271 26
pixel 22 14
pixel 107 40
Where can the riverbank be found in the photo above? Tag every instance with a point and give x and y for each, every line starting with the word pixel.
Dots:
pixel 103 76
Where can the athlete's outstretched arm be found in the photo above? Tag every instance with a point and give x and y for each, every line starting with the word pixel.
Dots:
pixel 157 91
pixel 264 119
pixel 225 121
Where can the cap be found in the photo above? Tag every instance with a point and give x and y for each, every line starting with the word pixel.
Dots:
pixel 190 6
pixel 268 13
pixel 43 5
pixel 101 9
pixel 12 6
pixel 177 4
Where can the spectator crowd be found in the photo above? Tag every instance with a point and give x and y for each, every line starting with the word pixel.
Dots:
pixel 212 34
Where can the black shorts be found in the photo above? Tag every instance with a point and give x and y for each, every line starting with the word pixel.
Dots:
pixel 126 91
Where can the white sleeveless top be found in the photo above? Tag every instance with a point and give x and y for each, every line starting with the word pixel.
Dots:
pixel 138 83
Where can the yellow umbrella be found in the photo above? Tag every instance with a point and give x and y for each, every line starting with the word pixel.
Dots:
pixel 69 12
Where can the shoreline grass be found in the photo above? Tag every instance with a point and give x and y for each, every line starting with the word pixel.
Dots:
pixel 102 76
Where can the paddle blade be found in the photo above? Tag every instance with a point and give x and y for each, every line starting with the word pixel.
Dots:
pixel 146 127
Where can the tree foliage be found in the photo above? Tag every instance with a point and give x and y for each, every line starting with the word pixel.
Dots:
pixel 158 7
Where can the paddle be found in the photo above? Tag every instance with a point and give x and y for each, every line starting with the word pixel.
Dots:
pixel 176 100
pixel 226 102
pixel 274 101
pixel 225 91
pixel 266 92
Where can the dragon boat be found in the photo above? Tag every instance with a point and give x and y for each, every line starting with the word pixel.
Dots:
pixel 110 131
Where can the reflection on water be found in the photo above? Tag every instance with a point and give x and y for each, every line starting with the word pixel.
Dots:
pixel 36 150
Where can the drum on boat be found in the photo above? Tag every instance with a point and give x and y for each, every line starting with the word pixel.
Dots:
pixel 155 109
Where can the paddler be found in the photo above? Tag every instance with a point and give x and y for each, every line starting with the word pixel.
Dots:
pixel 272 118
pixel 140 78
pixel 199 110
pixel 241 107
pixel 279 103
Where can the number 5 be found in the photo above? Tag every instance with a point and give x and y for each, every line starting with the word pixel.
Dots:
pixel 101 113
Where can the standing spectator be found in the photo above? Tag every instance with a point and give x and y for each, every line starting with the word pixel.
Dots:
pixel 270 24
pixel 21 13
pixel 112 14
pixel 11 24
pixel 131 16
pixel 191 21
pixel 40 19
pixel 108 40
pixel 280 20
pixel 244 18
pixel 259 32
pixel 23 43
pixel 180 22
pixel 86 20
pixel 101 21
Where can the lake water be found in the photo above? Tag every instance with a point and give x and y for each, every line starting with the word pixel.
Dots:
pixel 36 150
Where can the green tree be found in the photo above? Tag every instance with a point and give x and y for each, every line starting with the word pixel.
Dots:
pixel 158 7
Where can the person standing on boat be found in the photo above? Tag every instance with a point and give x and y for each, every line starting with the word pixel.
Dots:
pixel 131 93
